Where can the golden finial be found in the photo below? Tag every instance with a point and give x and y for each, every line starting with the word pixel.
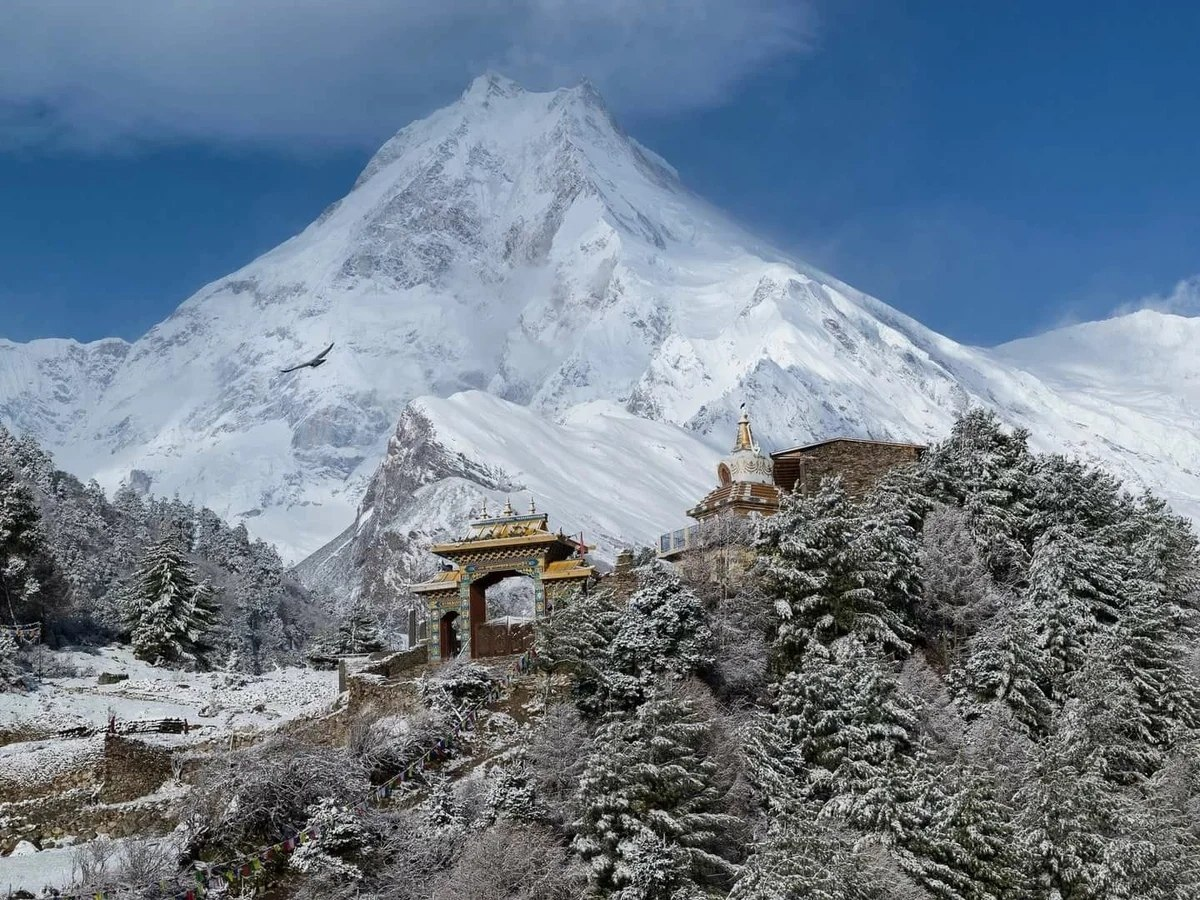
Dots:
pixel 532 506
pixel 745 438
pixel 508 511
pixel 483 513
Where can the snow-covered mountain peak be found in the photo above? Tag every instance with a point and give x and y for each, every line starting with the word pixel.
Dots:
pixel 491 85
pixel 518 251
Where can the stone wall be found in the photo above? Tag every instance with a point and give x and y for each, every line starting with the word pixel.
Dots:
pixel 861 464
pixel 561 590
pixel 376 696
pixel 621 581
pixel 385 665
pixel 130 769
pixel 76 813
pixel 103 795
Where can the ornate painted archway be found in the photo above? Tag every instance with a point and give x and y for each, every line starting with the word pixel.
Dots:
pixel 496 548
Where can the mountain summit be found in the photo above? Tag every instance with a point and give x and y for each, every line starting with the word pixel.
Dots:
pixel 521 248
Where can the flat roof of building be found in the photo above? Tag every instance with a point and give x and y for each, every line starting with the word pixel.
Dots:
pixel 846 440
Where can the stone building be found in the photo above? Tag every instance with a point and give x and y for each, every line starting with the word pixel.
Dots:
pixel 750 482
pixel 860 463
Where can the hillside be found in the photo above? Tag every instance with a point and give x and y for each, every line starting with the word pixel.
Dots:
pixel 88 548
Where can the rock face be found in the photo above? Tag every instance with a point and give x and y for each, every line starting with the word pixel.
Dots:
pixel 518 255
pixel 48 387
pixel 601 471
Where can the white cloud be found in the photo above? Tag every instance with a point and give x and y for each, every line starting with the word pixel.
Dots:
pixel 1184 300
pixel 349 72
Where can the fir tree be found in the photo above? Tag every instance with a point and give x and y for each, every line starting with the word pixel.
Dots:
pixel 1148 652
pixel 1075 589
pixel 834 571
pixel 958 595
pixel 443 809
pixel 963 844
pixel 1066 493
pixel 843 737
pixel 10 671
pixel 663 629
pixel 576 641
pixel 339 840
pixel 257 632
pixel 511 796
pixel 1090 841
pixel 651 821
pixel 359 632
pixel 803 858
pixel 1005 664
pixel 168 612
pixel 987 472
pixel 22 549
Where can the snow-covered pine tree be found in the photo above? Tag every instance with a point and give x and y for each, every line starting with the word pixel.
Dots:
pixel 576 641
pixel 167 611
pixel 511 795
pixel 804 857
pixel 830 571
pixel 340 839
pixel 257 634
pixel 651 826
pixel 663 629
pixel 958 594
pixel 963 844
pixel 1076 589
pixel 1067 493
pixel 22 550
pixel 986 471
pixel 843 736
pixel 10 670
pixel 443 808
pixel 359 632
pixel 1005 663
pixel 1089 839
pixel 1167 550
pixel 1149 652
pixel 892 516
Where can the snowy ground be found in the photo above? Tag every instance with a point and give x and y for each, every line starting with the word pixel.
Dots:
pixel 69 697
pixel 33 871
pixel 212 703
pixel 52 868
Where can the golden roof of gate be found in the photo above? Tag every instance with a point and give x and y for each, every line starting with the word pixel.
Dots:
pixel 506 532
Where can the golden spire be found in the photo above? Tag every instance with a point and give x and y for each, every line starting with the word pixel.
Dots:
pixel 745 437
pixel 508 511
pixel 532 506
pixel 483 513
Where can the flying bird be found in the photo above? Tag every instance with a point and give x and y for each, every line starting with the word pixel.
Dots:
pixel 318 360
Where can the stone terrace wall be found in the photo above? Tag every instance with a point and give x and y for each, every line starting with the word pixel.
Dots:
pixel 385 665
pixel 376 696
pixel 130 769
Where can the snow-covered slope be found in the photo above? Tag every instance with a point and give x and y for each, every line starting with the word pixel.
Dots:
pixel 519 247
pixel 47 387
pixel 1126 392
pixel 617 478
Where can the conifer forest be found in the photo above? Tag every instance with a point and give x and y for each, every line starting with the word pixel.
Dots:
pixel 977 682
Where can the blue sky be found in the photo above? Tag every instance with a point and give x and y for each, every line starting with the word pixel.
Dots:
pixel 992 169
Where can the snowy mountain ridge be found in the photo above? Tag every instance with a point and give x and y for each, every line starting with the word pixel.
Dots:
pixel 519 281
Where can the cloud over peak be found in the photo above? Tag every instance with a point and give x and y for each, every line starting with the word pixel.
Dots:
pixel 322 73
